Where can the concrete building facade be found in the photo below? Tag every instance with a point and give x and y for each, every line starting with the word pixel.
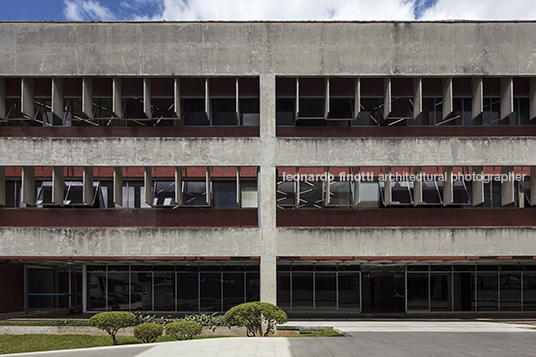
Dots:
pixel 327 167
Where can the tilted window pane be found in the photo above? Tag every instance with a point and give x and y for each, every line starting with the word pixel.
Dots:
pixel 194 193
pixel 286 194
pixel 341 193
pixel 164 194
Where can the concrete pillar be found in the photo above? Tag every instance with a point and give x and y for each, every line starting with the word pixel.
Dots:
pixel 84 288
pixel 267 187
pixel 507 97
pixel 478 186
pixel 417 97
pixel 57 98
pixel 357 98
pixel 387 189
pixel 57 185
pixel 386 97
pixel 28 185
pixel 148 184
pixel 448 102
pixel 477 91
pixel 87 97
pixel 118 186
pixel 27 97
pixel 2 186
pixel 87 180
pixel 117 100
pixel 417 186
pixel 147 107
pixel 2 98
pixel 448 186
pixel 507 186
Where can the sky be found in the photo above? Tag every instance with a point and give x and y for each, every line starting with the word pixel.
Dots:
pixel 192 10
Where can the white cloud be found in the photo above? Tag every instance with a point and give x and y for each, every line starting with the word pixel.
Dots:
pixel 481 10
pixel 83 10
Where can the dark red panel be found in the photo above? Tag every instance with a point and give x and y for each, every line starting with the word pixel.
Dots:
pixel 418 217
pixel 13 87
pixel 248 87
pixel 492 87
pixel 222 87
pixel 72 87
pixel 521 87
pixel 402 87
pixel 192 87
pixel 102 87
pixel 43 87
pixel 12 283
pixel 343 87
pixel 285 87
pixel 168 218
pixel 132 87
pixel 461 87
pixel 432 87
pixel 162 87
pixel 312 87
pixel 371 87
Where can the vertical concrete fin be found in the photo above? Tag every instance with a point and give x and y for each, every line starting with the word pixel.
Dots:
pixel 357 186
pixel 147 104
pixel 118 186
pixel 507 186
pixel 2 186
pixel 532 96
pixel 57 97
pixel 178 185
pixel 58 191
pixel 533 185
pixel 87 180
pixel 207 98
pixel 87 96
pixel 148 185
pixel 417 97
pixel 477 91
pixel 478 186
pixel 448 101
pixel 238 192
pixel 448 186
pixel 387 189
pixel 28 185
pixel 237 105
pixel 507 97
pixel 27 97
pixel 84 289
pixel 386 97
pixel 297 98
pixel 117 100
pixel 297 188
pixel 208 186
pixel 357 98
pixel 326 98
pixel 2 98
pixel 417 186
pixel 328 188
pixel 177 97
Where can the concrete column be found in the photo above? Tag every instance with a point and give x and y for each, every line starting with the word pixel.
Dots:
pixel 267 187
pixel 87 179
pixel 84 288
pixel 2 186
pixel 57 97
pixel 386 97
pixel 507 97
pixel 507 186
pixel 2 98
pixel 118 186
pixel 57 185
pixel 448 102
pixel 417 186
pixel 477 91
pixel 87 97
pixel 117 100
pixel 357 98
pixel 148 184
pixel 387 189
pixel 448 186
pixel 28 185
pixel 478 186
pixel 147 108
pixel 27 97
pixel 417 97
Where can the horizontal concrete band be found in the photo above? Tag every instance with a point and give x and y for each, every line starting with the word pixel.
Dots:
pixel 388 48
pixel 246 242
pixel 419 151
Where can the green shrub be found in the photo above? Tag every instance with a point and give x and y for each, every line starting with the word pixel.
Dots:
pixel 142 318
pixel 148 332
pixel 252 315
pixel 184 330
pixel 210 321
pixel 112 322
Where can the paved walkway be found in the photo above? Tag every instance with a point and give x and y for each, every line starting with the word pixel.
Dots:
pixel 364 338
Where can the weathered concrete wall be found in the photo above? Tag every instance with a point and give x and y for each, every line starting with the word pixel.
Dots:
pixel 410 242
pixel 219 48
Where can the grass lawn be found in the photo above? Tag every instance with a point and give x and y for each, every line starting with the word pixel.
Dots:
pixel 325 333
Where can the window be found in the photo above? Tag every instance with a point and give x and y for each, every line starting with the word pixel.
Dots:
pixel 194 194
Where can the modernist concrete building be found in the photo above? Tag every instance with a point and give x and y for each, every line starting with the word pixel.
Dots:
pixel 193 166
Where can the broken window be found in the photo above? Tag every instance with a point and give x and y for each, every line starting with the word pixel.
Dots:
pixel 371 112
pixel 194 194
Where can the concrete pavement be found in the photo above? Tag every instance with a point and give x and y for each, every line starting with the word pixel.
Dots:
pixel 364 338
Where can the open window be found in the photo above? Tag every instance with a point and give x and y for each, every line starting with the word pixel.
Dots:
pixel 164 194
pixel 286 194
pixel 340 194
pixel 73 195
pixel 401 193
pixel 194 194
pixel 311 193
pixel 432 193
pixel 460 193
pixel 312 98
pixel 369 194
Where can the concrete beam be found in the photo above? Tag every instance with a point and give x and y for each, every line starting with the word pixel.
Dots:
pixel 28 185
pixel 448 100
pixel 148 184
pixel 57 97
pixel 27 97
pixel 2 186
pixel 118 185
pixel 507 187
pixel 87 180
pixel 147 105
pixel 507 97
pixel 386 97
pixel 117 100
pixel 387 190
pixel 477 91
pixel 177 97
pixel 417 186
pixel 448 188
pixel 478 186
pixel 3 112
pixel 417 97
pixel 87 96
pixel 58 190
pixel 357 97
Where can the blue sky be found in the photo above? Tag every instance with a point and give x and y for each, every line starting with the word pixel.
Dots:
pixel 157 10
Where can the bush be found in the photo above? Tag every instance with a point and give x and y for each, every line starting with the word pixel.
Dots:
pixel 112 322
pixel 252 315
pixel 183 330
pixel 142 318
pixel 210 321
pixel 148 332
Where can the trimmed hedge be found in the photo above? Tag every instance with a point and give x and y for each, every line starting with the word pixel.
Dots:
pixel 183 330
pixel 148 332
pixel 113 321
pixel 252 315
